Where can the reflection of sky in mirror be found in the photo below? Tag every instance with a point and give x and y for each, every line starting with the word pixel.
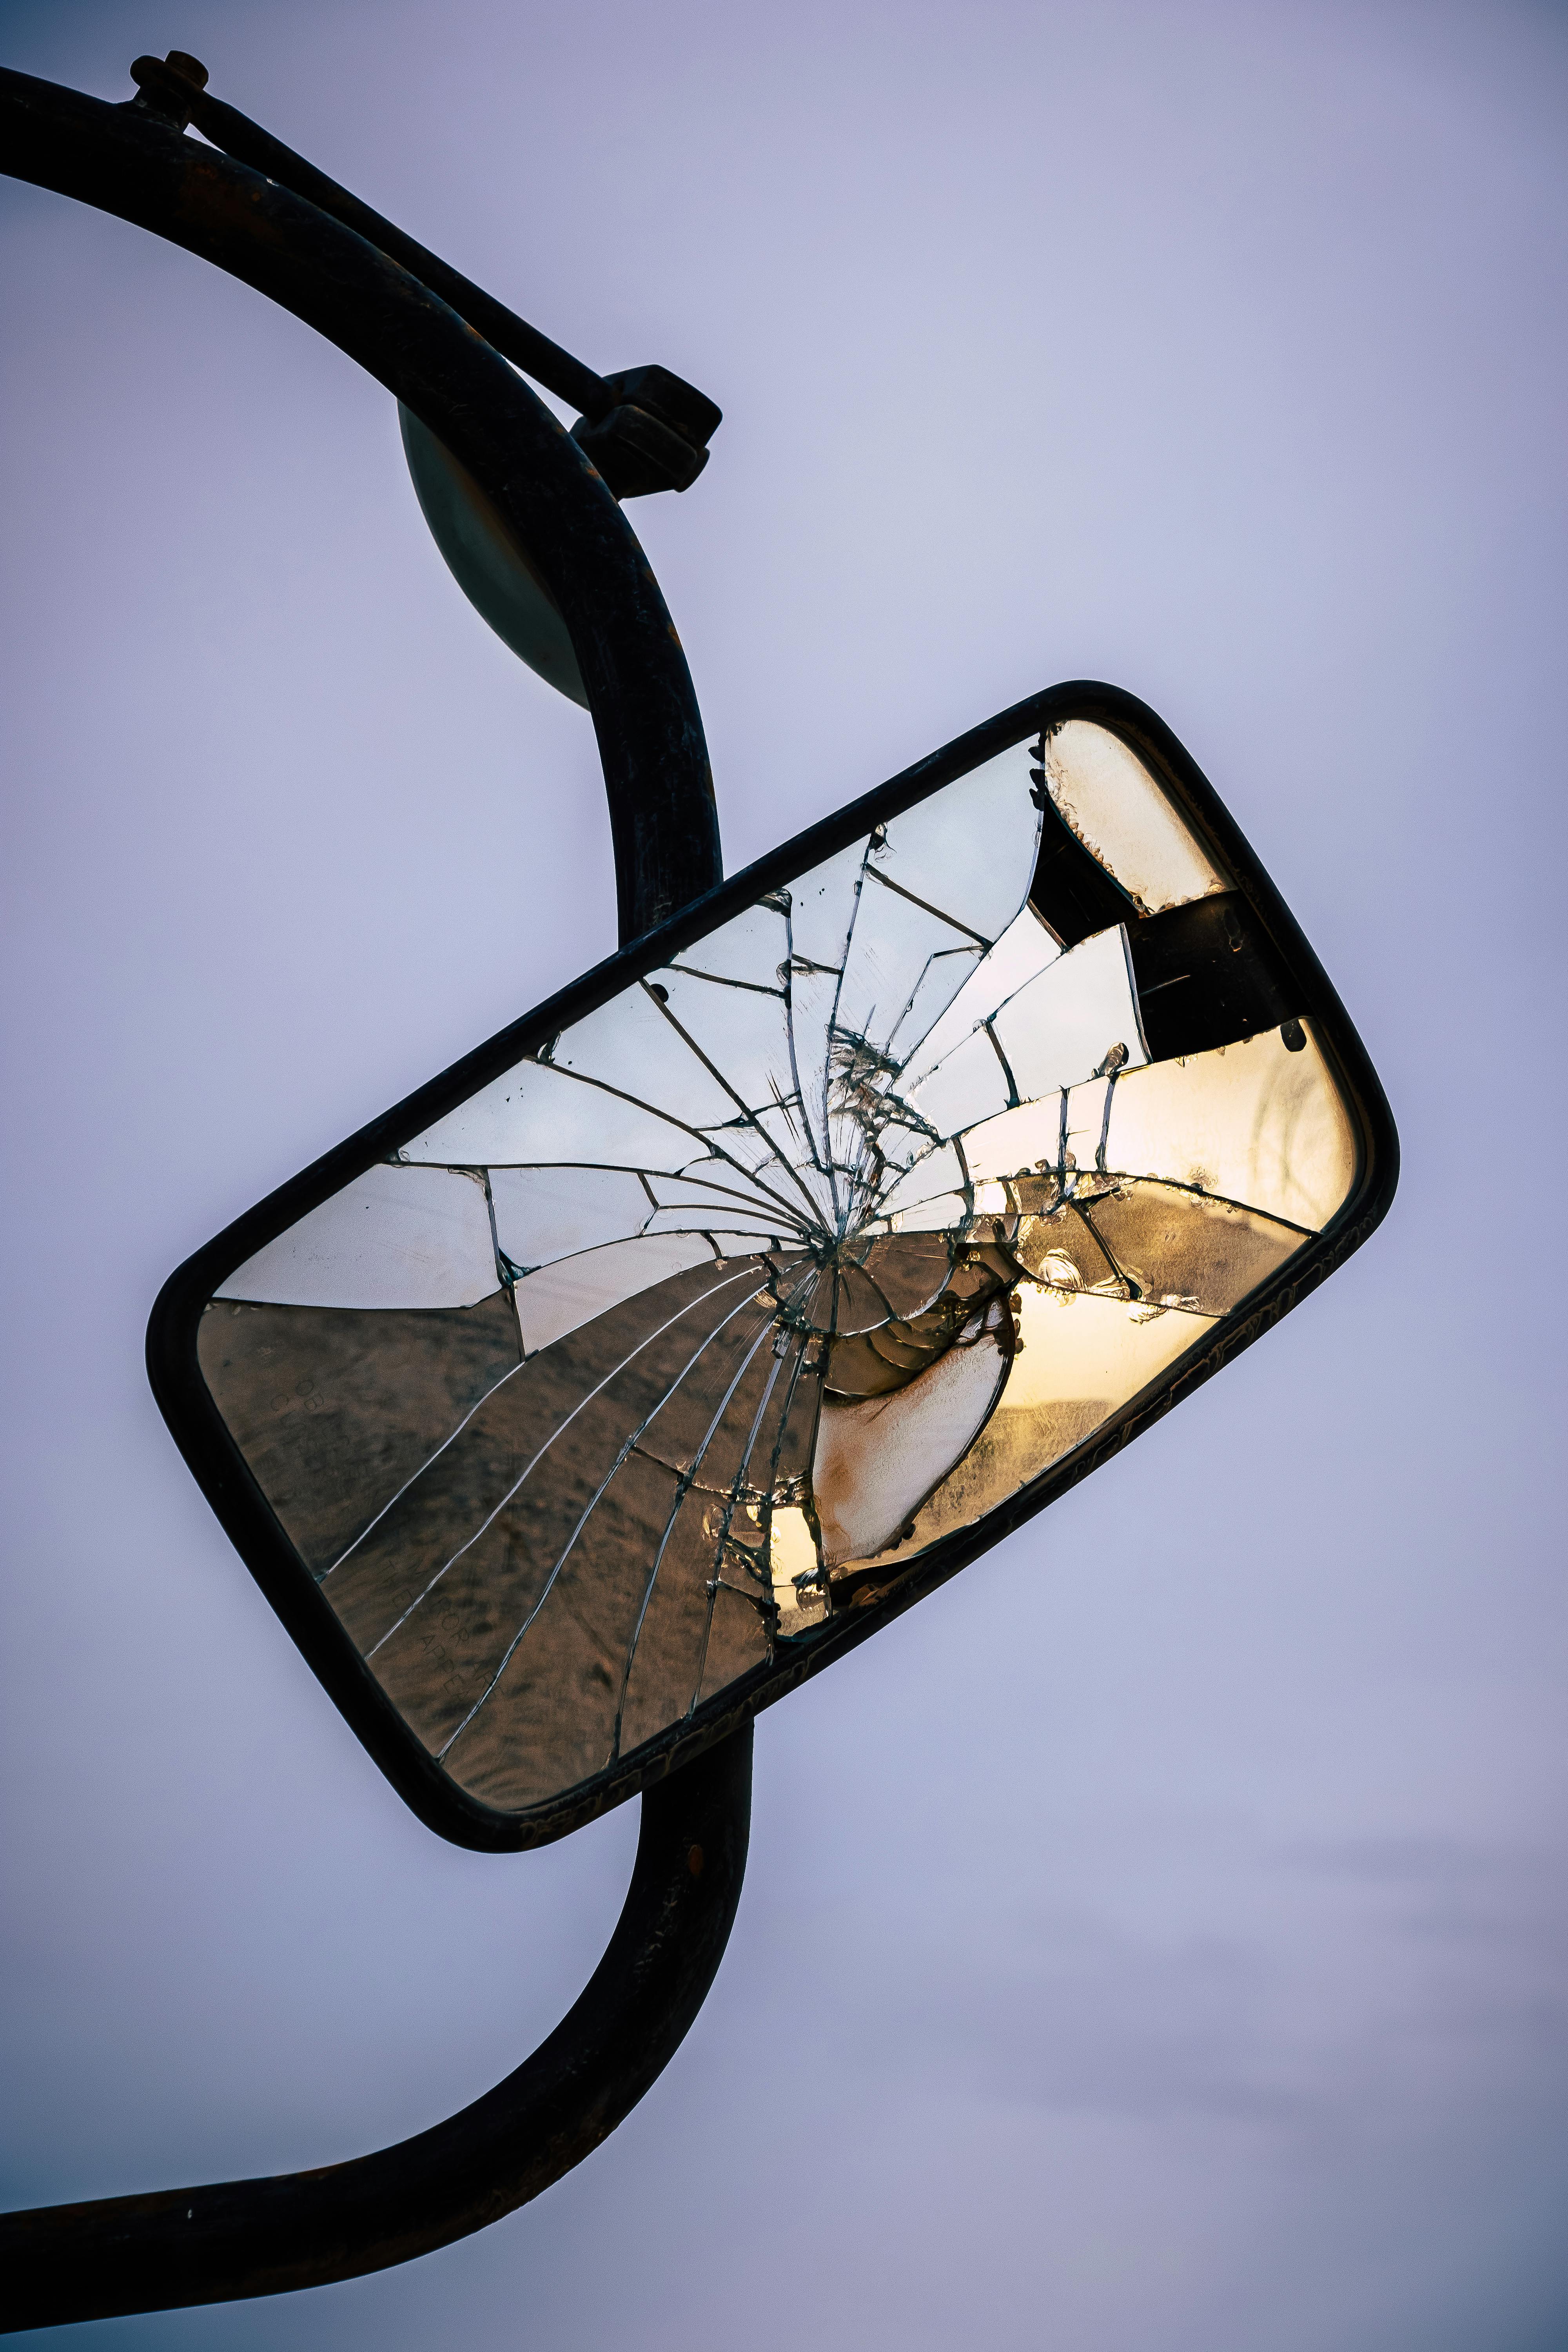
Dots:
pixel 547 1430
pixel 1180 1969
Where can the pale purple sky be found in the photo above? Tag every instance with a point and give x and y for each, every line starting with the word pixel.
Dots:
pixel 1155 1943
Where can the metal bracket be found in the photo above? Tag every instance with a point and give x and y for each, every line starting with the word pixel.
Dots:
pixel 269 218
pixel 645 429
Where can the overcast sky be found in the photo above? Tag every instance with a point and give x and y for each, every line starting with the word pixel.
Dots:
pixel 1155 1942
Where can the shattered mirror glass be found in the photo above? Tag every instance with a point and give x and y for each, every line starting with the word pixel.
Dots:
pixel 704 1323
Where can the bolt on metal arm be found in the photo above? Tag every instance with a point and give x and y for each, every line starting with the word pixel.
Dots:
pixel 246 2238
pixel 132 162
pixel 645 429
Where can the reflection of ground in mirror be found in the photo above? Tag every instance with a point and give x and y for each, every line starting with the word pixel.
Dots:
pixel 807 1250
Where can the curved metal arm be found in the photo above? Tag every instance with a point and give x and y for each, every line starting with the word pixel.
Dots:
pixel 246 2238
pixel 175 87
pixel 306 2229
pixel 131 162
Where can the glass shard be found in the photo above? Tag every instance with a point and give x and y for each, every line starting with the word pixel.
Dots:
pixel 1020 955
pixel 1077 1019
pixel 968 851
pixel 799 1586
pixel 1107 798
pixel 545 1214
pixel 538 1116
pixel 703 1323
pixel 1174 1248
pixel 574 1290
pixel 1078 1358
pixel 877 1459
pixel 1252 1121
pixel 391 1238
pixel 331 1425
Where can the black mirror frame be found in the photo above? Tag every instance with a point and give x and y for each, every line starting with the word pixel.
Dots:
pixel 231 1488
pixel 296 236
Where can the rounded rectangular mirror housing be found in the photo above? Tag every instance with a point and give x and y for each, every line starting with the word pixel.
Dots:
pixel 717 1311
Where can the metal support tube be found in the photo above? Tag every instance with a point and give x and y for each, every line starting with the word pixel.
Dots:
pixel 515 339
pixel 217 2242
pixel 241 2238
pixel 127 161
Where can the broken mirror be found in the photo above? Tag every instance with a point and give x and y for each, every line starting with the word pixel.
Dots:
pixel 691 1329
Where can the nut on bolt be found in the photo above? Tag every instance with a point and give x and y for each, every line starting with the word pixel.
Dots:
pixel 169 86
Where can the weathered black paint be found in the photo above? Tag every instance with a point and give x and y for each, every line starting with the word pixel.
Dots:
pixel 262 2237
pixel 238 2238
pixel 130 160
pixel 660 441
pixel 215 2244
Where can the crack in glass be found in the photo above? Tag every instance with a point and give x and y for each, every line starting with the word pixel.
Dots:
pixel 814 1245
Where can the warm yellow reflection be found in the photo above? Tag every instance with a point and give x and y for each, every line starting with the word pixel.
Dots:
pixel 1252 1122
pixel 792 1567
pixel 1123 819
pixel 1082 1359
